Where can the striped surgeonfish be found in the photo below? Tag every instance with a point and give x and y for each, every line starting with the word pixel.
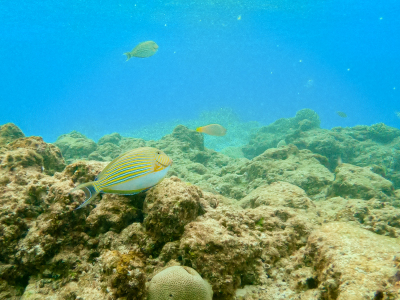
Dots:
pixel 130 173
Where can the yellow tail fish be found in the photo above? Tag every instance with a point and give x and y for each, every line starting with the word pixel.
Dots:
pixel 130 173
pixel 212 129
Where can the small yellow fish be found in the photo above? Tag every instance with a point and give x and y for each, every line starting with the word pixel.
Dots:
pixel 143 50
pixel 130 173
pixel 212 129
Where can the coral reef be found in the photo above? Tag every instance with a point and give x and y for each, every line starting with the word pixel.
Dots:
pixel 376 146
pixel 218 173
pixel 285 224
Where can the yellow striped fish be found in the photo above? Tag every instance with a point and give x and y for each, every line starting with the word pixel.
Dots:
pixel 130 173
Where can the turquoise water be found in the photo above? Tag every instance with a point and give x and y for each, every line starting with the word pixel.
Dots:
pixel 63 66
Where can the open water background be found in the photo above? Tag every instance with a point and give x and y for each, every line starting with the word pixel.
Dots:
pixel 63 69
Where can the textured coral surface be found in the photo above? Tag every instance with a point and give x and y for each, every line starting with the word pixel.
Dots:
pixel 285 223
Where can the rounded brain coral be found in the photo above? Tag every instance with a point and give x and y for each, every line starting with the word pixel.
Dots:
pixel 179 283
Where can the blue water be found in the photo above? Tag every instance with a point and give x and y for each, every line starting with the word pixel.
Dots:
pixel 63 69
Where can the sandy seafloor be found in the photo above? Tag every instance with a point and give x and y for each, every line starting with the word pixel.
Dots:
pixel 283 211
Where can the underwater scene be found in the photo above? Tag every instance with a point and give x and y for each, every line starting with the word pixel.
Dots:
pixel 199 150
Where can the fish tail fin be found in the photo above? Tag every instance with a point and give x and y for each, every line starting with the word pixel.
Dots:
pixel 128 55
pixel 90 192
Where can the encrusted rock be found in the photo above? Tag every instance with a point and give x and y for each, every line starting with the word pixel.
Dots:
pixel 169 206
pixel 75 145
pixel 105 152
pixel 360 183
pixel 194 139
pixel 231 247
pixel 269 136
pixel 33 152
pixel 123 273
pixel 83 171
pixel 352 263
pixel 277 194
pixel 377 145
pixel 373 215
pixel 113 138
pixel 113 213
pixel 299 167
pixel 8 133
